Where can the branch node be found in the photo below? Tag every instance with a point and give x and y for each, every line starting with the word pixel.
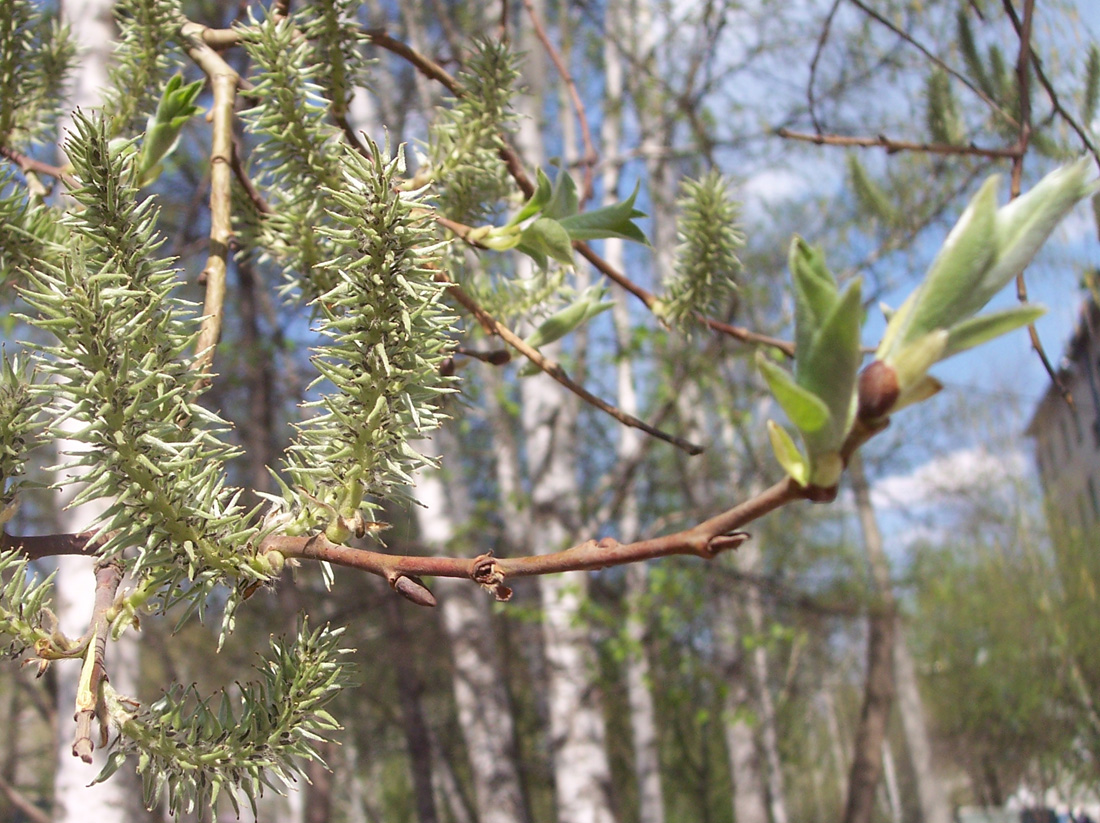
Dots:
pixel 488 574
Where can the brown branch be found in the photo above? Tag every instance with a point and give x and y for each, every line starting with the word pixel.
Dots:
pixel 29 164
pixel 426 66
pixel 16 798
pixel 894 146
pixel 706 540
pixel 249 187
pixel 223 81
pixel 35 547
pixel 590 156
pixel 554 369
pixel 89 694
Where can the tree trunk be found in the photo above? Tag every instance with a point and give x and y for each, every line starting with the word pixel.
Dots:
pixel 933 803
pixel 879 688
pixel 747 560
pixel 413 723
pixel 582 774
pixel 643 716
pixel 484 712
pixel 749 803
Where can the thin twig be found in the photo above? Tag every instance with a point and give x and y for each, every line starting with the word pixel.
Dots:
pixel 555 370
pixel 811 103
pixel 89 694
pixel 223 81
pixel 590 155
pixel 894 146
pixel 16 798
pixel 908 38
pixel 249 187
pixel 27 164
pixel 1024 60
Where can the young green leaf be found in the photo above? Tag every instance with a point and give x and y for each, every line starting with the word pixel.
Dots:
pixel 788 455
pixel 986 327
pixel 616 220
pixel 546 238
pixel 805 409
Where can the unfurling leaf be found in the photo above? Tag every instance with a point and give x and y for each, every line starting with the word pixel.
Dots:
pixel 788 455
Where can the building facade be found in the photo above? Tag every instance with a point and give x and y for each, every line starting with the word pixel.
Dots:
pixel 1067 437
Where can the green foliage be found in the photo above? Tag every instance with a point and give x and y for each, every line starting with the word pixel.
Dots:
pixel 29 232
pixel 117 373
pixel 147 53
pixel 18 426
pixel 387 329
pixel 298 155
pixel 819 399
pixel 706 261
pixel 872 199
pixel 190 750
pixel 469 177
pixel 36 55
pixel 944 123
pixel 162 132
pixel 337 40
pixel 986 249
pixel 22 606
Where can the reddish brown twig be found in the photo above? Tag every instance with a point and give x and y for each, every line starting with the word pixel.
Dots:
pixel 706 540
pixel 894 146
pixel 554 369
pixel 29 164
pixel 590 156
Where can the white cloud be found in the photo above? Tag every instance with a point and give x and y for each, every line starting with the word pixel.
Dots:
pixel 946 476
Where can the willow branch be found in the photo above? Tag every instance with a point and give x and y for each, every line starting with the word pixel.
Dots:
pixel 1024 60
pixel 36 547
pixel 706 540
pixel 894 146
pixel 29 164
pixel 554 369
pixel 223 81
pixel 89 693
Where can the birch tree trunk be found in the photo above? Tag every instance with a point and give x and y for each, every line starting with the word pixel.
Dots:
pixel 933 803
pixel 484 712
pixel 878 695
pixel 749 803
pixel 582 774
pixel 74 588
pixel 643 716
pixel 748 560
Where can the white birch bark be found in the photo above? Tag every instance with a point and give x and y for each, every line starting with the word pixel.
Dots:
pixel 749 801
pixel 643 715
pixel 748 560
pixel 118 799
pixel 933 802
pixel 582 773
pixel 484 713
pixel 890 783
